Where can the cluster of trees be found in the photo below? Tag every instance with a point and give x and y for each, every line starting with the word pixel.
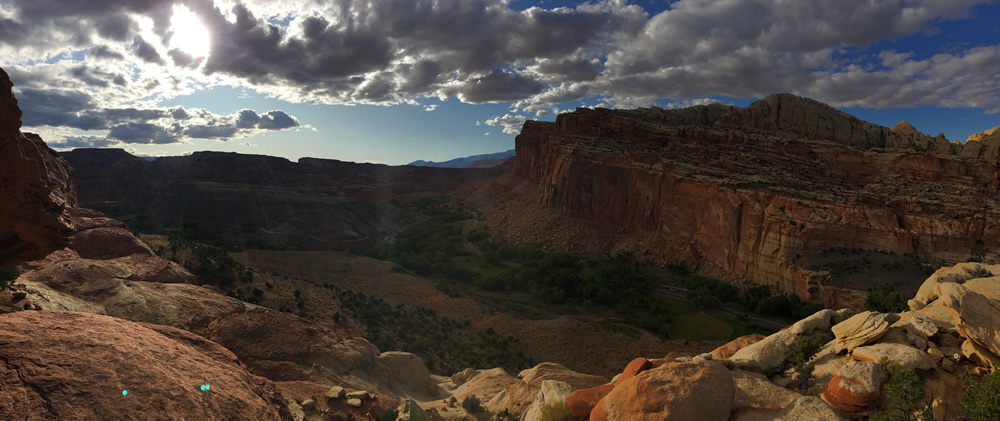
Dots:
pixel 211 265
pixel 447 346
pixel 759 299
pixel 7 275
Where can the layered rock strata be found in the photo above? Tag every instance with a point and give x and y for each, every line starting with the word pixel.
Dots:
pixel 756 190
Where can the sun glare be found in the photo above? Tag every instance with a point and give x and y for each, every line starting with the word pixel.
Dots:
pixel 190 35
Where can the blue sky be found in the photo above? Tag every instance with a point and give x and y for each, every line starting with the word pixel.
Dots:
pixel 394 81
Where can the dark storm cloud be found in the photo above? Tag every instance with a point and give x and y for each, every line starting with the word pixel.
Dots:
pixel 103 51
pixel 71 142
pixel 499 86
pixel 247 119
pixel 211 132
pixel 276 120
pixel 51 107
pixel 116 27
pixel 180 58
pixel 146 51
pixel 143 133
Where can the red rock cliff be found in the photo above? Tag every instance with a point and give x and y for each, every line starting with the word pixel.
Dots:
pixel 751 190
pixel 36 189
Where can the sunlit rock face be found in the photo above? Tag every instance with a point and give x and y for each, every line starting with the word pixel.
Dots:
pixel 36 188
pixel 756 191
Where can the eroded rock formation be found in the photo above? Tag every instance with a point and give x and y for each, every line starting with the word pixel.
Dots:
pixel 756 191
pixel 36 188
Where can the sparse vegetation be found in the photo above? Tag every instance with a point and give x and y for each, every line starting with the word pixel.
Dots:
pixel 885 299
pixel 447 346
pixel 979 272
pixel 390 415
pixel 982 400
pixel 906 400
pixel 471 404
pixel 7 275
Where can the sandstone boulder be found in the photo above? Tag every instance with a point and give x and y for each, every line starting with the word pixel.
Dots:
pixel 582 402
pixel 856 388
pixel 674 391
pixel 977 318
pixel 516 397
pixel 551 399
pixel 730 348
pixel 908 357
pixel 772 351
pixel 72 365
pixel 861 329
pixel 802 408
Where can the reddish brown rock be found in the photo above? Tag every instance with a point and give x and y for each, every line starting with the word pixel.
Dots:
pixel 856 388
pixel 730 348
pixel 582 402
pixel 634 367
pixel 675 391
pixel 753 191
pixel 36 189
pixel 517 397
pixel 68 365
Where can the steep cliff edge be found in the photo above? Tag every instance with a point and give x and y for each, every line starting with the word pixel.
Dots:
pixel 36 188
pixel 759 192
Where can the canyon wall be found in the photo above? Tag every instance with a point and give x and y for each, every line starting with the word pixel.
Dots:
pixel 753 190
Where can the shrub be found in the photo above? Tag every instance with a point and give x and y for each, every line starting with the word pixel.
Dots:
pixel 906 399
pixel 884 299
pixel 471 404
pixel 982 401
pixel 979 272
pixel 554 411
pixel 390 415
pixel 805 349
pixel 7 275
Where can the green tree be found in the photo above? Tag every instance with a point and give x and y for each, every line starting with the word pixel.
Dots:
pixel 7 275
pixel 982 401
pixel 906 398
pixel 885 299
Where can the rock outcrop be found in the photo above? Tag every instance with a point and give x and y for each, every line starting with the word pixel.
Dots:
pixel 67 365
pixel 36 189
pixel 762 193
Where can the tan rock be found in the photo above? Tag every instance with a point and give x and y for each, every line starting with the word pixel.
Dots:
pixel 856 388
pixel 753 390
pixel 674 391
pixel 336 392
pixel 861 329
pixel 944 391
pixel 979 355
pixel 908 357
pixel 552 394
pixel 977 318
pixel 772 351
pixel 354 402
pixel 802 408
pixel 516 397
pixel 725 351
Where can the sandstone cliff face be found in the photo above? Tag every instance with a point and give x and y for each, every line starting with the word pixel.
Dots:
pixel 36 188
pixel 754 190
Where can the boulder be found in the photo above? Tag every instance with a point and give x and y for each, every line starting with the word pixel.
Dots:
pixel 908 357
pixel 725 351
pixel 860 329
pixel 675 391
pixel 550 400
pixel 977 318
pixel 59 365
pixel 979 355
pixel 336 392
pixel 802 408
pixel 634 367
pixel 856 388
pixel 772 351
pixel 516 397
pixel 754 390
pixel 582 402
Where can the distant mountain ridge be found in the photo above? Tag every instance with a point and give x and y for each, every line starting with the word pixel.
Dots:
pixel 475 161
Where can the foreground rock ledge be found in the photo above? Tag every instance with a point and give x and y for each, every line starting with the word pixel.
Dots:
pixel 69 365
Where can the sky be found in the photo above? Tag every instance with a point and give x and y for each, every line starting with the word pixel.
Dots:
pixel 394 81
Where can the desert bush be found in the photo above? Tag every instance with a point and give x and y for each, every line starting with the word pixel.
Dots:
pixel 471 404
pixel 555 411
pixel 906 400
pixel 982 400
pixel 885 299
pixel 7 275
pixel 979 272
pixel 390 415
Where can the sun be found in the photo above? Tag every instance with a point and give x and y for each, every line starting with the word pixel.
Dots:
pixel 190 35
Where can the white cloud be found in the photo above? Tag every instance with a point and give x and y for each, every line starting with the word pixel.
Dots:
pixel 430 107
pixel 511 123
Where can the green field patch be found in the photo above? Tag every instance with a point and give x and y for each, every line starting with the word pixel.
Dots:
pixel 700 327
